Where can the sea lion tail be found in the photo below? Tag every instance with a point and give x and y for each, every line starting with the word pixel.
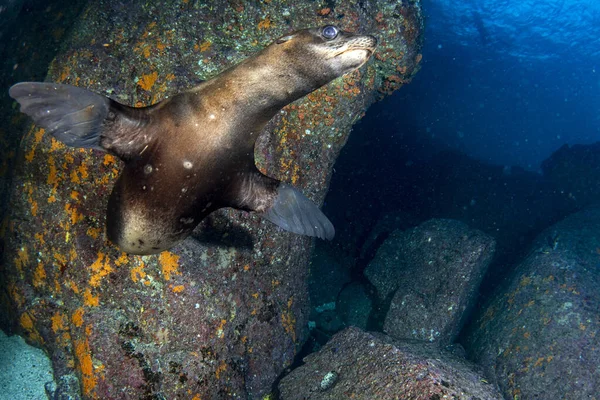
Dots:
pixel 294 212
pixel 75 116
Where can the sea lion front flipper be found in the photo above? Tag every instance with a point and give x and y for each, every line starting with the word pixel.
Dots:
pixel 283 205
pixel 80 118
pixel 294 212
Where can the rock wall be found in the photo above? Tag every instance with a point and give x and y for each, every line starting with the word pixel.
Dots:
pixel 540 335
pixel 221 314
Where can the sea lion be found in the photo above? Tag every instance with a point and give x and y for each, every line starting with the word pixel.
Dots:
pixel 193 153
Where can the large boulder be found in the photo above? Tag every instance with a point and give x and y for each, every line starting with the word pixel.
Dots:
pixel 358 365
pixel 540 335
pixel 430 277
pixel 221 314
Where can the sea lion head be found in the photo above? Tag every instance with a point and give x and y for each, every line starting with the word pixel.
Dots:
pixel 323 54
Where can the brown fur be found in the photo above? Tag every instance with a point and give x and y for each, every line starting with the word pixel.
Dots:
pixel 194 153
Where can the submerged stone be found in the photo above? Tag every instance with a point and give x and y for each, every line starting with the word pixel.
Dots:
pixel 429 276
pixel 360 365
pixel 540 334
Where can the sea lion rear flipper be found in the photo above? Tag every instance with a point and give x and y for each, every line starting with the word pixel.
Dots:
pixel 283 205
pixel 78 117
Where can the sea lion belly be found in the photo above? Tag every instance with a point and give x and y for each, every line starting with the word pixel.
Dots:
pixel 140 221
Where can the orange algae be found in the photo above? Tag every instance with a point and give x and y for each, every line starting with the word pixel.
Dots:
pixel 34 208
pixel 123 259
pixel 169 263
pixel 93 232
pixel 39 275
pixel 148 80
pixel 205 45
pixel 58 322
pixel 26 322
pixel 56 145
pixel 266 23
pixel 22 259
pixel 83 171
pixel 60 258
pixel 100 268
pixel 288 321
pixel 73 214
pixel 84 359
pixel 220 369
pixel 64 74
pixel 52 178
pixel 89 299
pixel 77 317
pixel 220 332
pixel 138 273
pixel 39 134
pixel 178 288
pixel 108 159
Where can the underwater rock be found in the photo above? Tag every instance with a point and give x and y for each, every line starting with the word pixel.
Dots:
pixel 575 171
pixel 67 387
pixel 329 321
pixel 540 335
pixel 222 313
pixel 396 220
pixel 354 305
pixel 430 276
pixel 24 369
pixel 361 365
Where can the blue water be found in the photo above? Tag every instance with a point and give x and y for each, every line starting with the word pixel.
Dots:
pixel 507 81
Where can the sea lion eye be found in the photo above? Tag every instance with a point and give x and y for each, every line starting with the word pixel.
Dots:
pixel 330 32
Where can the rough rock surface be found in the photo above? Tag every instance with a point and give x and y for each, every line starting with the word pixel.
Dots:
pixel 360 365
pixel 431 274
pixel 541 332
pixel 24 370
pixel 221 314
pixel 386 224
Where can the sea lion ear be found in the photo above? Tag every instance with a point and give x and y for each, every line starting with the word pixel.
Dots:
pixel 294 212
pixel 284 39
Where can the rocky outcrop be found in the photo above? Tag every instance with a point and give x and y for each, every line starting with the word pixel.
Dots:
pixel 221 314
pixel 430 277
pixel 359 365
pixel 540 336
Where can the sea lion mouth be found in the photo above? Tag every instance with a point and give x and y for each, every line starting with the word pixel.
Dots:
pixel 366 44
pixel 355 53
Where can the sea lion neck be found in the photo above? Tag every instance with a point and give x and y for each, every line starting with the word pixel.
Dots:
pixel 271 83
